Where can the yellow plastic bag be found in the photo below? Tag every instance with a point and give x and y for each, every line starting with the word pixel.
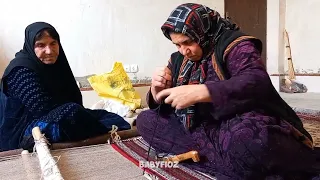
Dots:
pixel 116 85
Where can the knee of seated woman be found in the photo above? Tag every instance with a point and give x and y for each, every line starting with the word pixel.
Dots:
pixel 142 118
pixel 146 120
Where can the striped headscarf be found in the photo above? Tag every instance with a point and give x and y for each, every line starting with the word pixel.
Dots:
pixel 198 22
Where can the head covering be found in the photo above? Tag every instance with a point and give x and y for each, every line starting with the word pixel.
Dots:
pixel 204 26
pixel 57 78
pixel 198 22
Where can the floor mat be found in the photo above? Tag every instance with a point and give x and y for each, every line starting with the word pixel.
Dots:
pixel 136 150
pixel 311 122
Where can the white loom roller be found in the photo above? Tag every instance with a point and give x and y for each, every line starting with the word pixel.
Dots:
pixel 49 168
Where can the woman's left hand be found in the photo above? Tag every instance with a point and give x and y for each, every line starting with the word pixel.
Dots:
pixel 184 96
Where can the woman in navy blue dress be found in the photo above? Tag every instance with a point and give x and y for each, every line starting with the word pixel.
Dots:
pixel 38 89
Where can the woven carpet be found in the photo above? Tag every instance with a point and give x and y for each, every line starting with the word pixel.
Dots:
pixel 135 150
pixel 311 122
pixel 95 162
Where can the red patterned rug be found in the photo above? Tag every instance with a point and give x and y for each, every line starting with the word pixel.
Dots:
pixel 136 150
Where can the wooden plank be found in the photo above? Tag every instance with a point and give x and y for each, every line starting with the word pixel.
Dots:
pixel 134 85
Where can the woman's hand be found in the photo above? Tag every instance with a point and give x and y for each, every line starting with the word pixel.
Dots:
pixel 161 80
pixel 184 96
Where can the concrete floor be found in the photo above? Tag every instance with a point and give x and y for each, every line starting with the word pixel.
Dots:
pixel 303 100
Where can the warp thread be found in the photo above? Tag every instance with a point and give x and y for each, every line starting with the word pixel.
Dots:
pixel 114 136
pixel 150 176
pixel 153 134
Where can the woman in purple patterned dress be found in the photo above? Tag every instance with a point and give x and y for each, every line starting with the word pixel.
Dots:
pixel 231 115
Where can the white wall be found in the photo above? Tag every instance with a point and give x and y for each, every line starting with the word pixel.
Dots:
pixel 95 33
pixel 299 19
pixel 302 24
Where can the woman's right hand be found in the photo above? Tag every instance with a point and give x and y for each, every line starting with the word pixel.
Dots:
pixel 161 80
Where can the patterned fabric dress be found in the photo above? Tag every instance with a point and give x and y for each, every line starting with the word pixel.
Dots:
pixel 249 145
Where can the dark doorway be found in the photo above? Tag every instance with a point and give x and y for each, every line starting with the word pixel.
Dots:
pixel 251 16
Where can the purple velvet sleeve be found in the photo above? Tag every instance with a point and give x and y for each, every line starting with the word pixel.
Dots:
pixel 248 83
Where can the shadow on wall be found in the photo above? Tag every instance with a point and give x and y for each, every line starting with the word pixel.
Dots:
pixel 3 65
pixel 4 61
